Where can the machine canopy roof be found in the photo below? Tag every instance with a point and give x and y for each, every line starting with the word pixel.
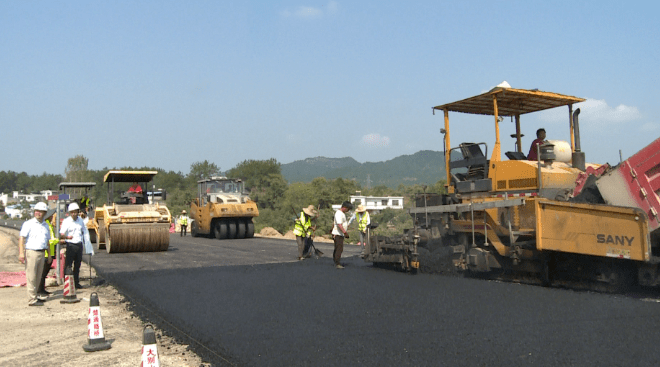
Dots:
pixel 129 176
pixel 510 102
pixel 219 178
pixel 76 185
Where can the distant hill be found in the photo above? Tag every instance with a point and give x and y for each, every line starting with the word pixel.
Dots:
pixel 425 167
pixel 311 168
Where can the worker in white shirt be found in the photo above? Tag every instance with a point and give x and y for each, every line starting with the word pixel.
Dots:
pixel 32 244
pixel 73 232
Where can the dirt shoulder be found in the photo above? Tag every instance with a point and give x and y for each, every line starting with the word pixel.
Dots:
pixel 55 333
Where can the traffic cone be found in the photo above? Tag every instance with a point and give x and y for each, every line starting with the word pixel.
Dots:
pixel 95 338
pixel 69 292
pixel 149 348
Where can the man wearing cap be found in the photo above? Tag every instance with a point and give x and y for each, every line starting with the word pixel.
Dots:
pixel 363 220
pixel 32 244
pixel 50 252
pixel 303 229
pixel 183 222
pixel 340 231
pixel 73 233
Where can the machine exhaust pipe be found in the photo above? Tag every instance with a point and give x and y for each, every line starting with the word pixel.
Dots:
pixel 576 129
pixel 578 157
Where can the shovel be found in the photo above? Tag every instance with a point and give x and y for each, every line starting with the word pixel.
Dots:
pixel 309 242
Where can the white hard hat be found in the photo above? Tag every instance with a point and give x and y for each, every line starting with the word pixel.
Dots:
pixel 73 206
pixel 41 206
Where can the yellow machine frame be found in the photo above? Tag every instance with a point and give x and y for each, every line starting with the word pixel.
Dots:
pixel 519 233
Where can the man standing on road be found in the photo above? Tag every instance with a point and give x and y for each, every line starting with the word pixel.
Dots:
pixel 339 232
pixel 73 233
pixel 50 253
pixel 303 229
pixel 32 244
pixel 363 220
pixel 183 222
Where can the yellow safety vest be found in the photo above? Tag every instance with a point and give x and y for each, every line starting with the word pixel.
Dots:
pixel 183 221
pixel 53 241
pixel 302 225
pixel 362 222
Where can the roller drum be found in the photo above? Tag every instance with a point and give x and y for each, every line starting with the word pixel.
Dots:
pixel 146 237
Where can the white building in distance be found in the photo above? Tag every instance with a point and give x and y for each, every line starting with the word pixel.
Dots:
pixel 374 204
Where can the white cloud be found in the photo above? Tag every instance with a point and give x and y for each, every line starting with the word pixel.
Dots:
pixel 594 111
pixel 649 127
pixel 332 7
pixel 375 141
pixel 310 12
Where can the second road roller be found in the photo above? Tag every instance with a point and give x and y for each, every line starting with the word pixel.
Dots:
pixel 131 223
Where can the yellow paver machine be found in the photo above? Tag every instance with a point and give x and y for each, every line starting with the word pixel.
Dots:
pixel 131 224
pixel 555 217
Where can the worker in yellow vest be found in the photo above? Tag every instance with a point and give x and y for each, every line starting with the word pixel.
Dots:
pixel 303 229
pixel 363 220
pixel 183 222
pixel 84 203
pixel 49 253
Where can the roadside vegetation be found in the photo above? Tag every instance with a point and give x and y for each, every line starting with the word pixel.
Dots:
pixel 279 201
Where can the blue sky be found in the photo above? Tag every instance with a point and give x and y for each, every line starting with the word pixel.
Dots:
pixel 169 83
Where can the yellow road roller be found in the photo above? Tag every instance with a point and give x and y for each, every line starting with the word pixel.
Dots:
pixel 128 222
pixel 222 209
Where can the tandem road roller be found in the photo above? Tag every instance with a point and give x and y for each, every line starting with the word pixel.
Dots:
pixel 222 210
pixel 555 218
pixel 132 224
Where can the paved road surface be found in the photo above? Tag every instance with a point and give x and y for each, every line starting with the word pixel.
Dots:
pixel 248 303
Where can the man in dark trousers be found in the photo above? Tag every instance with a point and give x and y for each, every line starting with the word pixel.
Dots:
pixel 340 231
pixel 183 223
pixel 72 232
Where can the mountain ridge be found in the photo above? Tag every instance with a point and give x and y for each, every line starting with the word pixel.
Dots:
pixel 425 167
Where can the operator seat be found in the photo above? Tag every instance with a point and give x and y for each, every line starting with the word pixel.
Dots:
pixel 477 162
pixel 516 156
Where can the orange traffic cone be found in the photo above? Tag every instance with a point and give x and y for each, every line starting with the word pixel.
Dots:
pixel 95 338
pixel 149 348
pixel 69 288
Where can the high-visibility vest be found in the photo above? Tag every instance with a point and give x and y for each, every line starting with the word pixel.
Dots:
pixel 362 221
pixel 302 225
pixel 183 221
pixel 53 241
pixel 84 201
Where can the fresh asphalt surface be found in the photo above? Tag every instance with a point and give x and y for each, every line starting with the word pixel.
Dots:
pixel 247 302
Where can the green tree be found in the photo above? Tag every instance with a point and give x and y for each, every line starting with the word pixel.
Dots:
pixel 252 171
pixel 76 169
pixel 202 170
pixel 268 190
pixel 46 182
pixel 380 190
pixel 23 182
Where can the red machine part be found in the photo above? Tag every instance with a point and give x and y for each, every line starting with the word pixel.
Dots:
pixel 636 183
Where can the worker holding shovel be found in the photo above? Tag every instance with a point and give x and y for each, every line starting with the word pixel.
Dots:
pixel 303 229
